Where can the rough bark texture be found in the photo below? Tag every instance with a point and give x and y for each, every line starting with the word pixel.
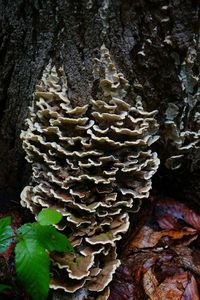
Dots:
pixel 70 32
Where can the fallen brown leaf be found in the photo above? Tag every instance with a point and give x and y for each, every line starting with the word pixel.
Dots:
pixel 147 237
pixel 172 288
pixel 191 291
pixel 168 209
pixel 167 222
pixel 159 261
pixel 188 258
pixel 150 284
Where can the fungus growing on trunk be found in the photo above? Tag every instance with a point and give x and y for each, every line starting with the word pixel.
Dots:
pixel 182 126
pixel 91 163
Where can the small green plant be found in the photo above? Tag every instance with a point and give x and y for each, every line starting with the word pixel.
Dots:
pixel 33 243
pixel 4 287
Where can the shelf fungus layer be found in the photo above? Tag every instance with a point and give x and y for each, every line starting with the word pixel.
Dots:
pixel 182 125
pixel 93 164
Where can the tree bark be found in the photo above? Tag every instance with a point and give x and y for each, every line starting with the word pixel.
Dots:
pixel 148 41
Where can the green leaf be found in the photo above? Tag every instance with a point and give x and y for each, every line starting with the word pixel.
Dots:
pixel 47 236
pixel 6 233
pixel 5 222
pixel 52 239
pixel 32 268
pixel 4 287
pixel 49 216
pixel 24 230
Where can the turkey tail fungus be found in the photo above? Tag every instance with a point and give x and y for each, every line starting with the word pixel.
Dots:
pixel 93 164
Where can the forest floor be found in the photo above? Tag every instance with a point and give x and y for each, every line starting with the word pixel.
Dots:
pixel 160 255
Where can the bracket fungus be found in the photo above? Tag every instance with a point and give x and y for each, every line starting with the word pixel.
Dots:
pixel 93 164
pixel 182 126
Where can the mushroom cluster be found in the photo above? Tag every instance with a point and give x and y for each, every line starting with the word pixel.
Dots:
pixel 93 164
pixel 182 126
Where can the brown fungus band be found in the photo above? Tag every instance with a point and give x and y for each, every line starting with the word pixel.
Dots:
pixel 93 164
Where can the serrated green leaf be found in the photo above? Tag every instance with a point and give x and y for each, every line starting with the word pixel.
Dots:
pixel 4 287
pixel 6 233
pixel 49 216
pixel 52 239
pixel 47 236
pixel 32 268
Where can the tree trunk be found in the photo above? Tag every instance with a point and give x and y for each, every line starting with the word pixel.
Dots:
pixel 149 42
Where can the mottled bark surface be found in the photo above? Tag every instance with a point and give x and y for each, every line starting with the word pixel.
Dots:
pixel 145 39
